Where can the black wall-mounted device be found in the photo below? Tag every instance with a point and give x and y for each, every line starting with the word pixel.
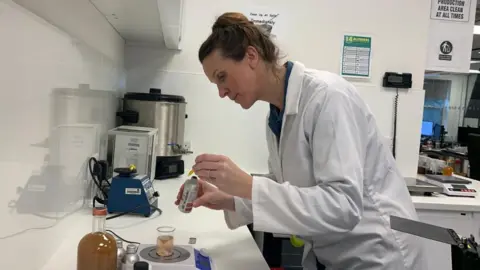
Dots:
pixel 397 80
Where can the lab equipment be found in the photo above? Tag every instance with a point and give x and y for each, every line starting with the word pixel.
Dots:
pixel 452 186
pixel 190 173
pixel 417 186
pixel 167 114
pixel 184 257
pixel 462 134
pixel 427 128
pixel 98 249
pixel 189 195
pixel 131 193
pixel 120 254
pixel 465 251
pixel 133 145
pixel 130 258
pixel 64 174
pixel 165 241
pixel 397 80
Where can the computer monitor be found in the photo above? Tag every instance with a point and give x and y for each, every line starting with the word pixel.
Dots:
pixel 427 128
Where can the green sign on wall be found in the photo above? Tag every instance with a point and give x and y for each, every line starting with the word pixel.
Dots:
pixel 357 51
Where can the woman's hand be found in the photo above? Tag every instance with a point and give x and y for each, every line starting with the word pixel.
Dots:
pixel 210 197
pixel 223 173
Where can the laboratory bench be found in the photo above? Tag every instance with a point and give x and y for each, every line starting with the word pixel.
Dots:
pixel 229 249
pixel 461 214
pixel 236 249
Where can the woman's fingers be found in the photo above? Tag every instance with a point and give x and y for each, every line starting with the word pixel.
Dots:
pixel 202 200
pixel 208 175
pixel 179 195
pixel 209 157
pixel 207 165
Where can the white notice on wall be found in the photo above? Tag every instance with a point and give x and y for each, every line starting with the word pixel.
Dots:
pixel 265 18
pixel 450 10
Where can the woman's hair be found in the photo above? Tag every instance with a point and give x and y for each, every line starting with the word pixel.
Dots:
pixel 232 33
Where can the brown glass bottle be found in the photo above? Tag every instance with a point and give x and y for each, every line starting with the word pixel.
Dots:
pixel 98 249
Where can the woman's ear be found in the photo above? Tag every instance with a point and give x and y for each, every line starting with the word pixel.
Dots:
pixel 252 57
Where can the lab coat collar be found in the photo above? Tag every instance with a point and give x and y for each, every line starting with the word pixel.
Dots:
pixel 294 89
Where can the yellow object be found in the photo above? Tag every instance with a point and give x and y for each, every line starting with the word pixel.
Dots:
pixel 132 167
pixel 190 172
pixel 447 171
pixel 296 242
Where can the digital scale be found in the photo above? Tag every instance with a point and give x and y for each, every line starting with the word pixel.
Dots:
pixel 182 258
pixel 452 186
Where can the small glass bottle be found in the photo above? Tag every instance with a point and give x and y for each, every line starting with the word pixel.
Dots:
pixel 98 249
pixel 189 195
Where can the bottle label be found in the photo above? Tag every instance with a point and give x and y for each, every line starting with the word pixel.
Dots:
pixel 189 195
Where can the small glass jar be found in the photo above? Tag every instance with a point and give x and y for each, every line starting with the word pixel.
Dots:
pixel 165 241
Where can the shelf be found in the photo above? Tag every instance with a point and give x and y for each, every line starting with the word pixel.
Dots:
pixel 157 22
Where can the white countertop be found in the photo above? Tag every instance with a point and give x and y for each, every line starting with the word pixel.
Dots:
pixel 447 203
pixel 229 249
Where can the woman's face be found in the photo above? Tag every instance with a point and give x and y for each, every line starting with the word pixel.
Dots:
pixel 234 79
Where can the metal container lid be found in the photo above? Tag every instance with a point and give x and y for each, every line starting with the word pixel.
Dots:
pixel 155 94
pixel 131 248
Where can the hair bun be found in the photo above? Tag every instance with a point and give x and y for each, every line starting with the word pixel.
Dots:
pixel 229 19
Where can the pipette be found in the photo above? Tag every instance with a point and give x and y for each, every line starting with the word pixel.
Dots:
pixel 190 172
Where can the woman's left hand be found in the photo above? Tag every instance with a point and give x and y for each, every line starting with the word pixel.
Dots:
pixel 223 173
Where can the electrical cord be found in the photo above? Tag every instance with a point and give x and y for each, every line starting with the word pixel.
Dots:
pixel 133 209
pixel 395 113
pixel 119 237
pixel 97 182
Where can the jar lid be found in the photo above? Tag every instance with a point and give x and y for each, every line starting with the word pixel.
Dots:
pixel 140 266
pixel 99 211
pixel 155 94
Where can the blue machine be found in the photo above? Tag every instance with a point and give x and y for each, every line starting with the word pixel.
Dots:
pixel 131 193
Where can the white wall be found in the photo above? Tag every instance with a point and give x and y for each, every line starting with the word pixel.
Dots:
pixel 38 59
pixel 311 31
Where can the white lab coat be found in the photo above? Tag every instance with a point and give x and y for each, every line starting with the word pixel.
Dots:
pixel 334 181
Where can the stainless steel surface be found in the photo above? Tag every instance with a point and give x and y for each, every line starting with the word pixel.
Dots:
pixel 448 179
pixel 120 254
pixel 179 254
pixel 424 230
pixel 419 186
pixel 168 117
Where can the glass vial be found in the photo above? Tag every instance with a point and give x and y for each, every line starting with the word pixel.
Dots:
pixel 189 195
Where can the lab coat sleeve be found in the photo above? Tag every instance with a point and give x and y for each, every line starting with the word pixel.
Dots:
pixel 243 214
pixel 335 129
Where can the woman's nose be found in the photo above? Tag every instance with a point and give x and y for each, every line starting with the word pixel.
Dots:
pixel 222 92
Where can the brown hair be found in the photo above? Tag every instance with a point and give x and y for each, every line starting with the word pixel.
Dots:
pixel 232 33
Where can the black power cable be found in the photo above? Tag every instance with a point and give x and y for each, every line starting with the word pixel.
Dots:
pixel 126 241
pixel 395 113
pixel 93 174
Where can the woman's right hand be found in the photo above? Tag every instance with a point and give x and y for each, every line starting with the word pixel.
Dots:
pixel 210 197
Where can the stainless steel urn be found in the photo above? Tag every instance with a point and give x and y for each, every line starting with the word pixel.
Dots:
pixel 165 112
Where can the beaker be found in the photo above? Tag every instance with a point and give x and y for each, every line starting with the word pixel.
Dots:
pixel 165 240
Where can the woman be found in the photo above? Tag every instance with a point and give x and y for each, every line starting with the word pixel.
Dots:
pixel 334 183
